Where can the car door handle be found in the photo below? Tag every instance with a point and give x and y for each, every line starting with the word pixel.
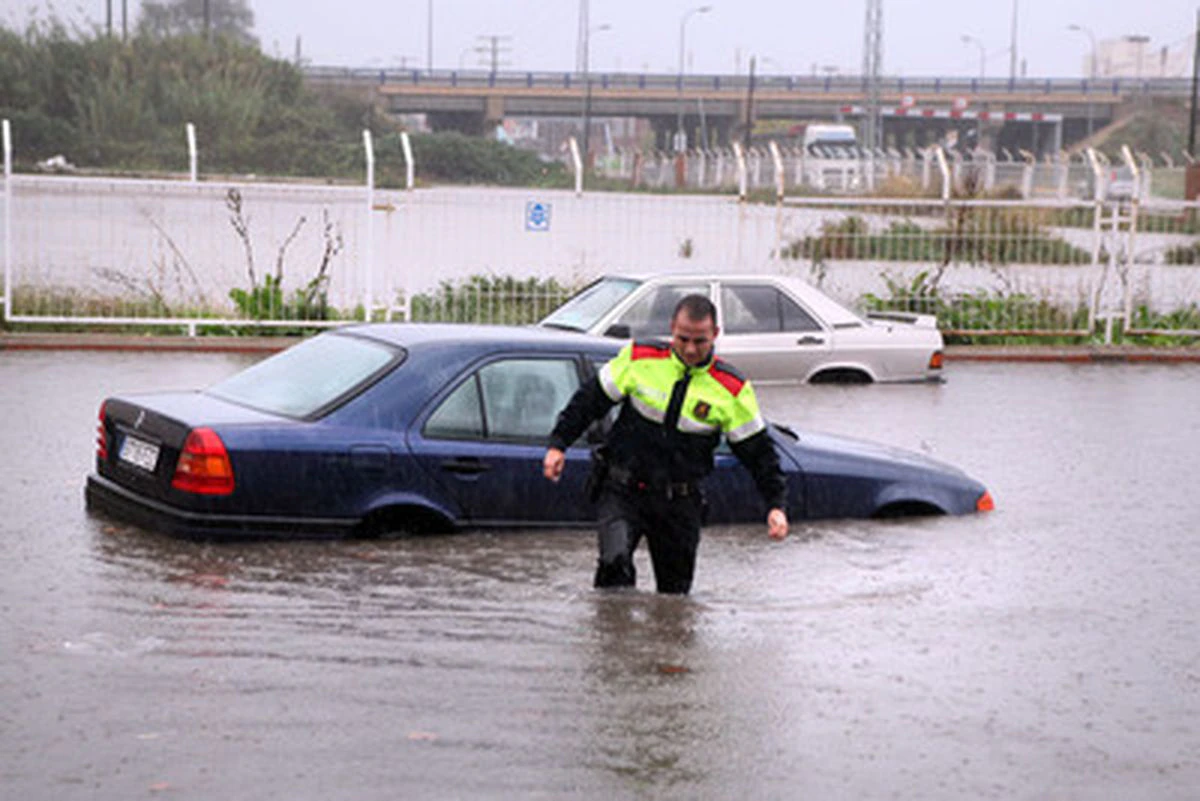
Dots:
pixel 810 341
pixel 467 465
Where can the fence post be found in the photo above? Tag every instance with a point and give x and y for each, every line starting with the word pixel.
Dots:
pixel 1135 203
pixel 192 158
pixel 368 261
pixel 740 155
pixel 577 165
pixel 779 191
pixel 777 158
pixel 1027 174
pixel 7 135
pixel 1097 232
pixel 940 155
pixel 409 164
pixel 1146 185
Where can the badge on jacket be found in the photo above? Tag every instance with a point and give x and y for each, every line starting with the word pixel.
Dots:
pixel 701 410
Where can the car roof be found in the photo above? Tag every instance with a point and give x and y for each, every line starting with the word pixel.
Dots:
pixel 408 335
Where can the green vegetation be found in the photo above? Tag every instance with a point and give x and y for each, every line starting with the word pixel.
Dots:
pixel 105 104
pixel 264 299
pixel 491 300
pixel 1182 319
pixel 1183 254
pixel 457 158
pixel 974 236
pixel 1159 128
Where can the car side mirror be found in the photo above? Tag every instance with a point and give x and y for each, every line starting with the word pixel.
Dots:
pixel 618 331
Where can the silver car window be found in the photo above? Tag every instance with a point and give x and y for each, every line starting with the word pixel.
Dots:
pixel 650 315
pixel 760 309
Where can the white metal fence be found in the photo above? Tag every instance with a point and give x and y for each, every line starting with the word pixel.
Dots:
pixel 825 171
pixel 216 253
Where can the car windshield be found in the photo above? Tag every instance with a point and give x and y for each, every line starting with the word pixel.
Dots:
pixel 583 311
pixel 312 376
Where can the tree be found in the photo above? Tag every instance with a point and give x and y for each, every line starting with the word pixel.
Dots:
pixel 230 18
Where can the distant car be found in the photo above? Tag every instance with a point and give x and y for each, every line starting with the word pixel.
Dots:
pixel 775 329
pixel 387 427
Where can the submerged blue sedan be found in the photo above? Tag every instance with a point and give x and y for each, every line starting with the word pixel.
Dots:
pixel 402 427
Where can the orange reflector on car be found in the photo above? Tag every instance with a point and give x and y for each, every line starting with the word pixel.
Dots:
pixel 985 502
pixel 935 361
pixel 204 467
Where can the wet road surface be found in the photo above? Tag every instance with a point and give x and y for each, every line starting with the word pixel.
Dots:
pixel 1046 650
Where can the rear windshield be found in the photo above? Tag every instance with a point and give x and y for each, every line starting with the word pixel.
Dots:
pixel 311 377
pixel 585 309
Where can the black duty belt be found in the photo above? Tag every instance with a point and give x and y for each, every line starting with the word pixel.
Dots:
pixel 669 490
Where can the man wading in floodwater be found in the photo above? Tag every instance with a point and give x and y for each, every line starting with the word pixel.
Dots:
pixel 676 400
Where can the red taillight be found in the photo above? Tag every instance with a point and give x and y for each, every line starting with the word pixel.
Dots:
pixel 204 467
pixel 985 502
pixel 101 437
pixel 935 361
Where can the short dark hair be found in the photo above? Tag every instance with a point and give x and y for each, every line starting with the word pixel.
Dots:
pixel 698 308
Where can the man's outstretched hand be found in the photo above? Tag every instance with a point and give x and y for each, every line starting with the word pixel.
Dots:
pixel 552 466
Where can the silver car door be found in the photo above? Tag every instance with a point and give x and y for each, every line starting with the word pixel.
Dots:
pixel 768 335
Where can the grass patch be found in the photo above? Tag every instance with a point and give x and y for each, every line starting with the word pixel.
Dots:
pixel 974 236
pixel 490 300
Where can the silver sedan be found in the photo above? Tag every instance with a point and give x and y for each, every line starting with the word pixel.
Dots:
pixel 775 329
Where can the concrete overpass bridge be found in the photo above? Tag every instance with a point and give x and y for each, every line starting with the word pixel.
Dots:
pixel 1036 114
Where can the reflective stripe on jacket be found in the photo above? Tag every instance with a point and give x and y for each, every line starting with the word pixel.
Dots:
pixel 717 397
pixel 672 416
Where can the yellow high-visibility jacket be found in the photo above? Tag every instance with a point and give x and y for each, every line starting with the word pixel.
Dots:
pixel 672 418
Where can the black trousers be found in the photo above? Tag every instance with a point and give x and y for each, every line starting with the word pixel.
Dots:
pixel 671 526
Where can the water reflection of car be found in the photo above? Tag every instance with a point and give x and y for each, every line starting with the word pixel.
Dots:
pixel 773 328
pixel 431 427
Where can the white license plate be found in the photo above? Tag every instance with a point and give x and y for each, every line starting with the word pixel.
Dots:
pixel 140 453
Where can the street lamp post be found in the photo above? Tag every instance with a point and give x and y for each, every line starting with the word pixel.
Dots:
pixel 1091 71
pixel 680 138
pixel 1012 51
pixel 1092 38
pixel 587 79
pixel 967 39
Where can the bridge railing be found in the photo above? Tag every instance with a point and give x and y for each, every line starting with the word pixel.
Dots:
pixel 947 86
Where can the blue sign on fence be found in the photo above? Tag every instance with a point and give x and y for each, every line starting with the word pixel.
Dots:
pixel 537 216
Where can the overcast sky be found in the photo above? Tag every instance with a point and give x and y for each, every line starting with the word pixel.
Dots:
pixel 921 37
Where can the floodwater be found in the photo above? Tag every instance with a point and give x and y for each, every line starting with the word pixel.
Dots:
pixel 1046 650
